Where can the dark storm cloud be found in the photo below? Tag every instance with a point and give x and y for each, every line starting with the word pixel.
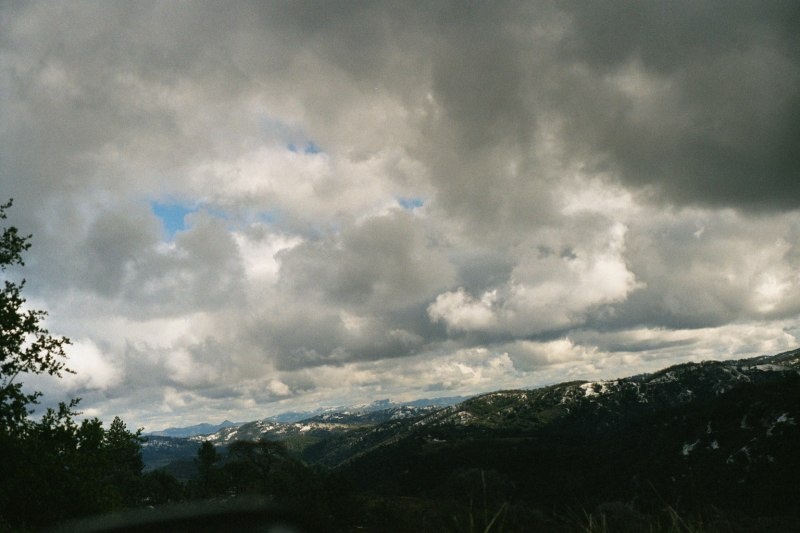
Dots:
pixel 695 102
pixel 383 259
pixel 719 90
pixel 613 173
pixel 114 244
pixel 368 287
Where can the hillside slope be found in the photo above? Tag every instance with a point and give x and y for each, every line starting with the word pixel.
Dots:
pixel 721 434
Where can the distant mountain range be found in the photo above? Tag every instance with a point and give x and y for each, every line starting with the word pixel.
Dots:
pixel 297 429
pixel 723 434
pixel 296 416
pixel 191 431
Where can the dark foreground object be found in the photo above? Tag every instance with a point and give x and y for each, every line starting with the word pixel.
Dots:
pixel 241 515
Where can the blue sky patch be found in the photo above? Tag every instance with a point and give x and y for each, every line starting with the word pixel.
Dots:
pixel 172 215
pixel 311 148
pixel 411 203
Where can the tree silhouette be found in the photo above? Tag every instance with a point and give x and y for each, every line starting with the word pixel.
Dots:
pixel 208 475
pixel 26 347
pixel 54 468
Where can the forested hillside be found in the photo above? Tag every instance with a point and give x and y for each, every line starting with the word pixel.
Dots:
pixel 708 446
pixel 715 441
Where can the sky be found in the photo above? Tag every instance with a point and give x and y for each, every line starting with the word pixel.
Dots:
pixel 244 208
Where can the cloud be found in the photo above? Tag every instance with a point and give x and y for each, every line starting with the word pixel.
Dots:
pixel 382 260
pixel 547 289
pixel 259 249
pixel 700 268
pixel 358 293
pixel 693 103
pixel 460 311
pixel 93 370
pixel 398 199
pixel 534 355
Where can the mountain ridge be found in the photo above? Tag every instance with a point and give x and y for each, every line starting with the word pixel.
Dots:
pixel 337 438
pixel 204 428
pixel 290 417
pixel 718 433
pixel 788 358
pixel 714 441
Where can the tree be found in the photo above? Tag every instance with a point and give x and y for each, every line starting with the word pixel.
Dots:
pixel 160 487
pixel 54 468
pixel 65 469
pixel 26 347
pixel 122 452
pixel 208 476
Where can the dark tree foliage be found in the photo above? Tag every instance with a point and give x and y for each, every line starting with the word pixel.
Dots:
pixel 160 488
pixel 266 471
pixel 207 456
pixel 54 468
pixel 209 478
pixel 66 469
pixel 26 347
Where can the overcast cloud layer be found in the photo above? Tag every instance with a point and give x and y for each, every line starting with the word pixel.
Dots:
pixel 244 208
